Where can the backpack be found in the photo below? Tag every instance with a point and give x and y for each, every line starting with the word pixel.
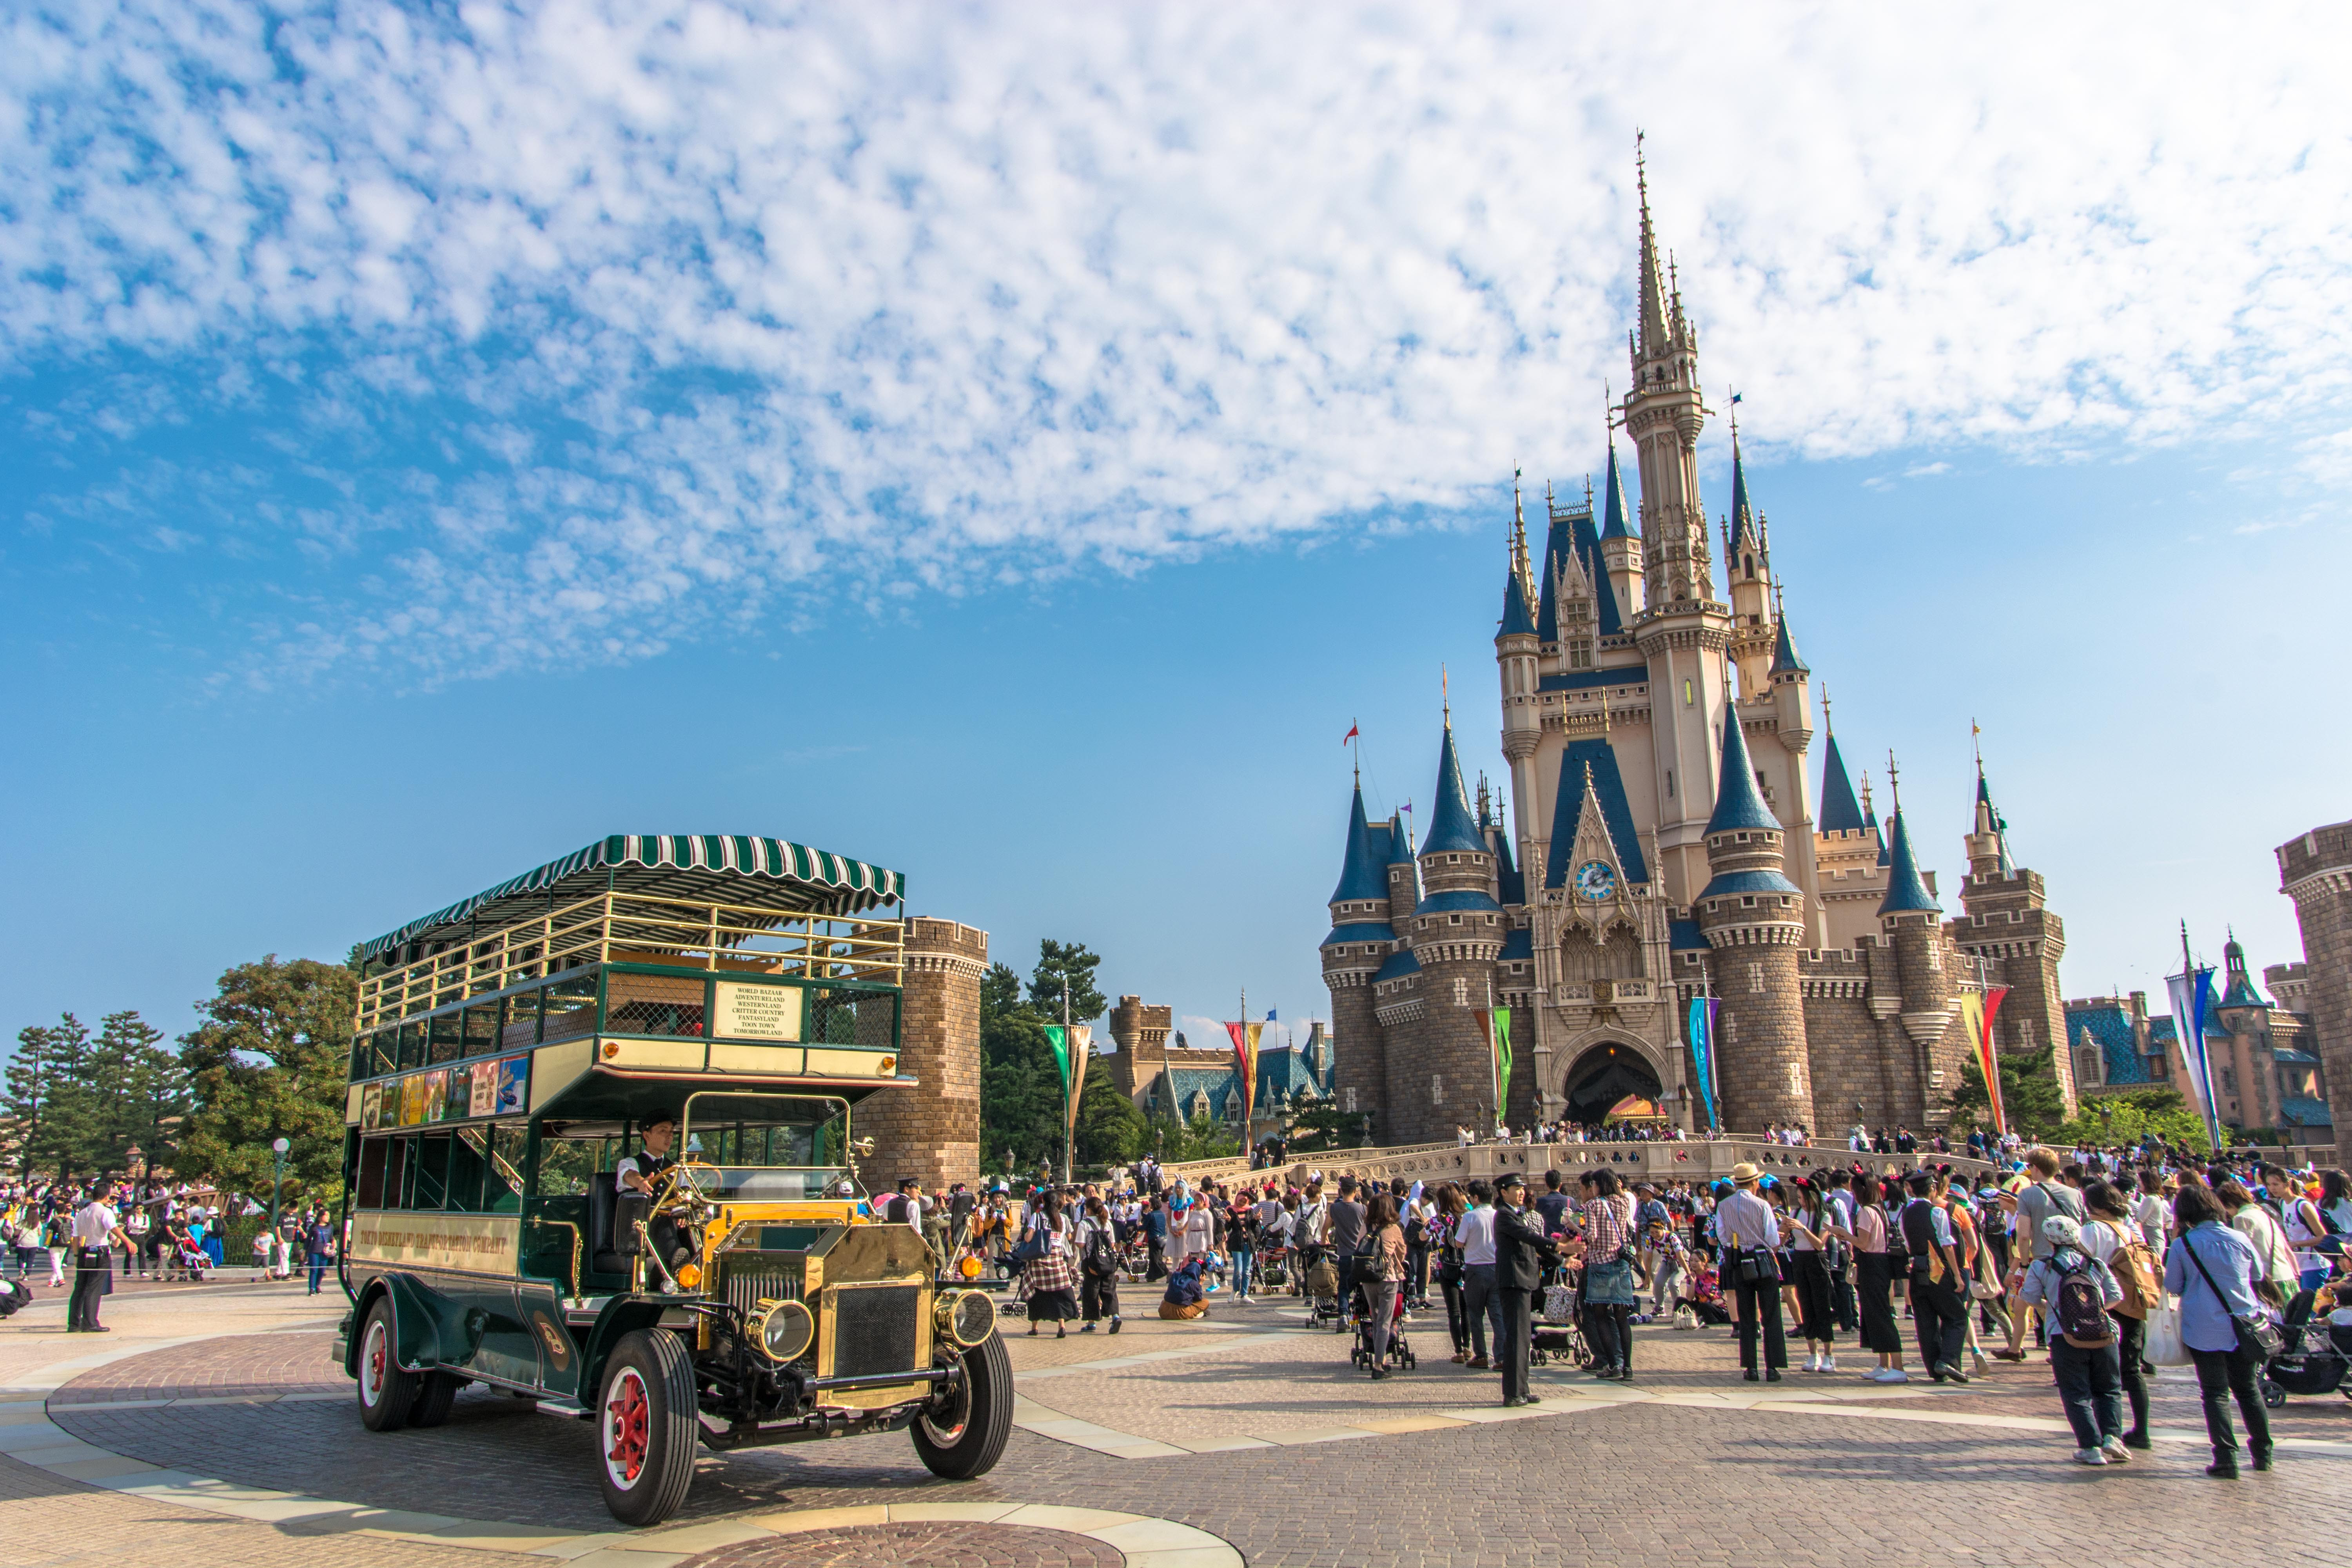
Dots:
pixel 2134 1267
pixel 2082 1314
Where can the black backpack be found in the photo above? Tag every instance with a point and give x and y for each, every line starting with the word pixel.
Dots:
pixel 2081 1311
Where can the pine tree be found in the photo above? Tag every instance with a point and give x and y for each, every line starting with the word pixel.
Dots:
pixel 1111 1131
pixel 270 1060
pixel 142 1095
pixel 69 1135
pixel 25 1094
pixel 1059 961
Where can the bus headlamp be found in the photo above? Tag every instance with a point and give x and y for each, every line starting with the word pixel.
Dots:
pixel 968 1318
pixel 783 1329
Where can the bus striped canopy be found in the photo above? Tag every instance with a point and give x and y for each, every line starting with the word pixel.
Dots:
pixel 786 875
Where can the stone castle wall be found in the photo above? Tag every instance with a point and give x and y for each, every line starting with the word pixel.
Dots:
pixel 2315 871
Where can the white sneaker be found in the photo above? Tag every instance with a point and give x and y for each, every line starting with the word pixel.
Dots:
pixel 2116 1452
pixel 2089 1456
pixel 1891 1374
pixel 1828 1363
pixel 1813 1361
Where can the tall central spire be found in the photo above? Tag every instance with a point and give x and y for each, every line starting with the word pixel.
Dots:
pixel 1654 294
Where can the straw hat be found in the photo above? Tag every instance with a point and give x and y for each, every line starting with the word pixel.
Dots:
pixel 1743 1172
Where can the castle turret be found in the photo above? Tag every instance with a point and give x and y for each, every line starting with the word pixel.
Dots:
pixel 1846 868
pixel 1518 650
pixel 1748 566
pixel 1458 930
pixel 1911 921
pixel 1403 874
pixel 1753 919
pixel 1361 941
pixel 2009 931
pixel 1621 547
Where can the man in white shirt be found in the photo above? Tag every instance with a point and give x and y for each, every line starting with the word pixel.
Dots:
pixel 96 1229
pixel 1474 1232
pixel 1749 1232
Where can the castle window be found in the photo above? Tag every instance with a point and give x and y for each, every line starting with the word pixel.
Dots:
pixel 1747 902
pixel 1453 919
pixel 1670 784
pixel 1690 693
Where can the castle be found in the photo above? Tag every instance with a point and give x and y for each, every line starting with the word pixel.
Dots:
pixel 1663 841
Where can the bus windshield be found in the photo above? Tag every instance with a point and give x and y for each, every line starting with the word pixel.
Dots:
pixel 748 1147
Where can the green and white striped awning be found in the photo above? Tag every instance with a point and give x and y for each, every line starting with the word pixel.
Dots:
pixel 782 876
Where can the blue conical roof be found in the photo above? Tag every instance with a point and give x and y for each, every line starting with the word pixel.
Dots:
pixel 1450 827
pixel 1739 804
pixel 1399 841
pixel 1784 651
pixel 1614 521
pixel 1744 533
pixel 1361 876
pixel 1518 619
pixel 1840 812
pixel 1906 891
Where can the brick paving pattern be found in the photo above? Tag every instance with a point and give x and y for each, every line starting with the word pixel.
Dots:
pixel 1869 1478
pixel 918 1546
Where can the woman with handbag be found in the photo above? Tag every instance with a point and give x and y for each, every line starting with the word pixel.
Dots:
pixel 1607 1221
pixel 1097 1248
pixel 1048 1273
pixel 1875 1277
pixel 1380 1275
pixel 2215 1271
pixel 1448 1265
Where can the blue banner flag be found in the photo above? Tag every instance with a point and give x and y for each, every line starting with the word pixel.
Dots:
pixel 1702 1045
pixel 2192 1001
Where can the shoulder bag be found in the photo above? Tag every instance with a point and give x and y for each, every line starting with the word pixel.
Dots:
pixel 2257 1335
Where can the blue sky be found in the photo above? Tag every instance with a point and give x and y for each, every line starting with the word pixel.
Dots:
pixel 951 440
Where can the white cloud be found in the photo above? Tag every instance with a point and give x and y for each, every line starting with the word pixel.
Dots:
pixel 613 319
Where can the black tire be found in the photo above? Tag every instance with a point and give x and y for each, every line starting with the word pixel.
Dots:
pixel 433 1401
pixel 2273 1396
pixel 386 1393
pixel 645 1424
pixel 968 1437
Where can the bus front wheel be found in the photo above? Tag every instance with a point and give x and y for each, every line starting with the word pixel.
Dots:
pixel 386 1391
pixel 966 1434
pixel 645 1427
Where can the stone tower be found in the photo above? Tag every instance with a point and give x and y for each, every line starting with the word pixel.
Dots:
pixel 1912 926
pixel 932 1131
pixel 1359 943
pixel 1753 919
pixel 1139 1031
pixel 2315 871
pixel 2008 925
pixel 1457 932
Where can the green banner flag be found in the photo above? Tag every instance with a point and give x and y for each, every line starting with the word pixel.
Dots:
pixel 1502 1059
pixel 1059 1037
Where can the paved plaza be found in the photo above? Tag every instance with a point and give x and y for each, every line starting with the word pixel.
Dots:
pixel 213 1426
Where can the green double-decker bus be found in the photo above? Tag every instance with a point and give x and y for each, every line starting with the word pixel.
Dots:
pixel 599 1151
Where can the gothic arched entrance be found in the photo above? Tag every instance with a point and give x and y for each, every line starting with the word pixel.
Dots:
pixel 1604 1075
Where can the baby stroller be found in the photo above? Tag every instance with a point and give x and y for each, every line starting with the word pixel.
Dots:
pixel 1555 1335
pixel 1274 1267
pixel 1320 1285
pixel 1400 1348
pixel 2312 1360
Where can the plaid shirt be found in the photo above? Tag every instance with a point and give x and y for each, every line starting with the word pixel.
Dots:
pixel 1604 1230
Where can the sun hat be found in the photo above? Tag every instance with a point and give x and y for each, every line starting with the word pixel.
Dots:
pixel 1744 1173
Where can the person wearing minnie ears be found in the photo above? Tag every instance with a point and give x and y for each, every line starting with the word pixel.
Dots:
pixel 2215 1271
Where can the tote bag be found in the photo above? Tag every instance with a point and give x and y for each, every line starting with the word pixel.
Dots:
pixel 2163 1346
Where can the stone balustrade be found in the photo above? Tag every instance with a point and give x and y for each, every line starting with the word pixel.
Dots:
pixel 1698 1160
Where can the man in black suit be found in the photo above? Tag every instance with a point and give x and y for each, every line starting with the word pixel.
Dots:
pixel 1522 1250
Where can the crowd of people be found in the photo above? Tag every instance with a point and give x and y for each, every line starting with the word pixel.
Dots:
pixel 2099 1259
pixel 153 1230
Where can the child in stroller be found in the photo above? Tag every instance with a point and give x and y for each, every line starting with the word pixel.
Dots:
pixel 1702 1292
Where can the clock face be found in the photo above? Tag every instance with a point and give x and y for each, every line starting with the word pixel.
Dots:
pixel 1595 880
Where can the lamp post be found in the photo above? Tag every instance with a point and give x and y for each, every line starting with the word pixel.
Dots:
pixel 277 1177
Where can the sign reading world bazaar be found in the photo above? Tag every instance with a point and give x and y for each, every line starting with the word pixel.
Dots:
pixel 757 1012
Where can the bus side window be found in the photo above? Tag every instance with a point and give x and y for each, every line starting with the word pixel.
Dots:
pixel 502 1184
pixel 396 1171
pixel 428 1181
pixel 565 1164
pixel 371 1157
pixel 468 1161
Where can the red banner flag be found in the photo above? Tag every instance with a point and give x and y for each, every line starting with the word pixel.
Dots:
pixel 1988 1057
pixel 1245 1037
pixel 1348 736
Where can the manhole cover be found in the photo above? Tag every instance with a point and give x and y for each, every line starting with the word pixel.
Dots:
pixel 925 1544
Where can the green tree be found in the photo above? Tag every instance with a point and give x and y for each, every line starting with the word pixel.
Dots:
pixel 1000 991
pixel 2136 1114
pixel 2028 1095
pixel 138 1093
pixel 1203 1138
pixel 29 1089
pixel 1319 1125
pixel 1019 1090
pixel 1111 1131
pixel 1058 961
pixel 270 1060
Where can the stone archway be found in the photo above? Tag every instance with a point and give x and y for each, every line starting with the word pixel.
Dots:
pixel 1605 1073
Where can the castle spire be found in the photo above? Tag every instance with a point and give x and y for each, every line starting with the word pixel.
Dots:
pixel 1654 340
pixel 1906 891
pixel 1989 840
pixel 1744 531
pixel 1739 804
pixel 1784 651
pixel 1614 523
pixel 1451 829
pixel 1360 877
pixel 1840 811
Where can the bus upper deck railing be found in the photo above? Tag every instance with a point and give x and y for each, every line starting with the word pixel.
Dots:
pixel 620 928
